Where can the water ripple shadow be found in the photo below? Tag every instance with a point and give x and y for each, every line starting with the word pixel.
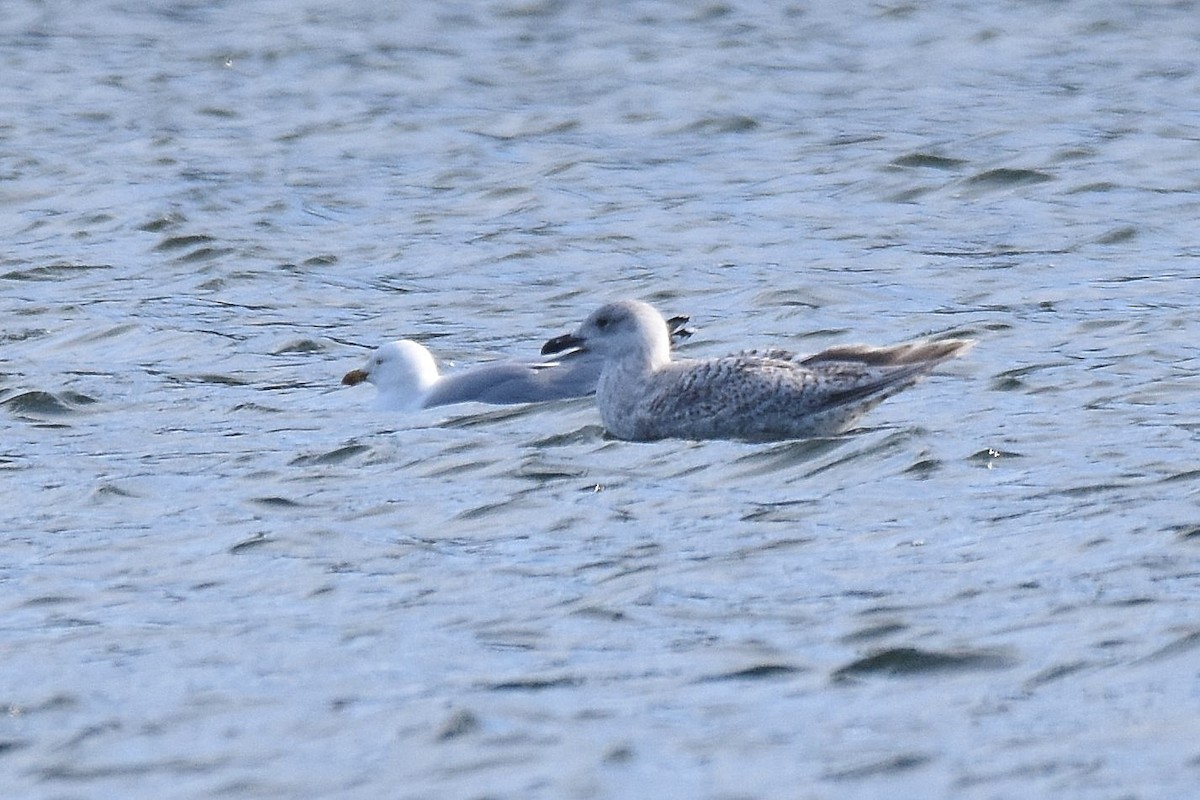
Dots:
pixel 789 454
pixel 764 671
pixel 533 684
pixel 1184 644
pixel 905 661
pixel 460 723
pixel 897 763
pixel 335 456
pixel 52 272
pixel 38 404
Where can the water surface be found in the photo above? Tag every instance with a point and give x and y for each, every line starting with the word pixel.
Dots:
pixel 225 575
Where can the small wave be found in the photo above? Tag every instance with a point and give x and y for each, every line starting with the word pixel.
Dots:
pixel 898 661
pixel 47 404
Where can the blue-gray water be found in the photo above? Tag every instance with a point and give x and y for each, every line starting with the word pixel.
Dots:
pixel 226 576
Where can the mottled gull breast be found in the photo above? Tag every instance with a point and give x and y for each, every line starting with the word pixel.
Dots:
pixel 643 395
pixel 407 377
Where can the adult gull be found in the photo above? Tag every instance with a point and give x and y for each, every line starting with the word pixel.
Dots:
pixel 407 377
pixel 643 395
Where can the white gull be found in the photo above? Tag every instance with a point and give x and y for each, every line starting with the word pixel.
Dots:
pixel 643 395
pixel 407 377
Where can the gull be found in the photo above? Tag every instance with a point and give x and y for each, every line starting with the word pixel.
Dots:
pixel 407 377
pixel 766 395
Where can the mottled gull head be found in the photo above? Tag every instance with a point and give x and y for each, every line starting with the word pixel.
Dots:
pixel 626 330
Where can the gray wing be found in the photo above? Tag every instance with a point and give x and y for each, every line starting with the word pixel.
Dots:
pixel 510 382
pixel 573 374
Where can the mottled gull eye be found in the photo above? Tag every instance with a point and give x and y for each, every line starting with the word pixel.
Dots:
pixel 602 323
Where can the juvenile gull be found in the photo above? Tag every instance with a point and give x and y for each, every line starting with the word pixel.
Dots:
pixel 643 395
pixel 407 377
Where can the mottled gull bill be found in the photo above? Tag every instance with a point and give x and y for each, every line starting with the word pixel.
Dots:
pixel 407 378
pixel 642 394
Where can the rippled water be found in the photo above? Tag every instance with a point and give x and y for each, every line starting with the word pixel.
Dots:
pixel 224 575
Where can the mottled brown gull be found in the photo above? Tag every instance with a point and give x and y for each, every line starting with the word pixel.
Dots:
pixel 643 395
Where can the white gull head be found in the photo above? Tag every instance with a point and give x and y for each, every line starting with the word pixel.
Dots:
pixel 403 371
